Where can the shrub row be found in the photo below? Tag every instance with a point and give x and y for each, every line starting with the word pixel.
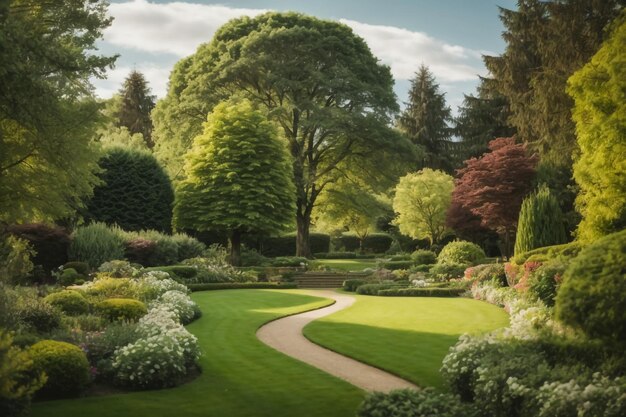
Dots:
pixel 422 292
pixel 335 255
pixel 351 285
pixel 373 289
pixel 565 251
pixel 242 285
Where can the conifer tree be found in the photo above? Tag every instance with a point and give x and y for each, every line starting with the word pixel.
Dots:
pixel 135 107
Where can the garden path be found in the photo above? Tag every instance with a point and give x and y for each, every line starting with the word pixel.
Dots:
pixel 285 335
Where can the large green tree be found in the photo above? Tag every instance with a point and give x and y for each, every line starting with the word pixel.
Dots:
pixel 319 81
pixel 46 106
pixel 238 177
pixel 421 202
pixel 425 121
pixel 135 106
pixel 598 90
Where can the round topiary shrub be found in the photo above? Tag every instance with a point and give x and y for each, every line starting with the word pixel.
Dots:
pixel 461 252
pixel 592 295
pixel 69 276
pixel 135 194
pixel 64 364
pixel 447 270
pixel 68 301
pixel 122 309
pixel 423 257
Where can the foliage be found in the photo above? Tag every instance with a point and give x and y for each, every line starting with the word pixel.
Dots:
pixel 135 192
pixel 139 250
pixel 591 297
pixel 121 309
pixel 413 403
pixel 461 252
pixel 286 261
pixel 238 177
pixel 494 273
pixel 50 243
pixel 373 289
pixel 96 244
pixel 425 121
pixel 393 265
pixel 68 301
pixel 188 247
pixel 250 257
pixel 423 257
pixel 180 304
pixel 447 270
pixel 15 259
pixel 242 286
pixel 35 313
pixel 546 280
pixel 80 267
pixel 422 292
pixel 348 242
pixel 207 272
pixel 65 366
pixel 493 186
pixel 165 250
pixel 335 255
pixel 136 103
pixel 564 252
pixel 540 223
pixel 421 202
pixel 598 93
pixel 19 378
pixel 351 285
pixel 46 108
pixel 377 243
pixel 315 78
pixel 117 269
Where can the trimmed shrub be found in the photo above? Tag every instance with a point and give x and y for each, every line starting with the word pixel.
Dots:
pixel 548 253
pixel 352 284
pixel 335 255
pixel 241 286
pixel 412 403
pixel 446 271
pixel 49 242
pixel 69 302
pixel 545 280
pixel 393 265
pixel 96 244
pixel 592 295
pixel 65 366
pixel 165 251
pixel 140 250
pixel 81 267
pixel 250 257
pixel 37 314
pixel 180 273
pixel 377 243
pixel 348 242
pixel 373 289
pixel 188 247
pixel 422 292
pixel 423 257
pixel 541 222
pixel 69 276
pixel 122 309
pixel 135 194
pixel 293 261
pixel 461 252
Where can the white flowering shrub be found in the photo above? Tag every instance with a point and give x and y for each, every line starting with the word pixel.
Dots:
pixel 489 292
pixel 151 285
pixel 158 320
pixel 179 303
pixel 154 362
pixel 419 283
pixel 189 344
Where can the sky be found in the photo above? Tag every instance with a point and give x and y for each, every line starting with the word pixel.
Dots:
pixel 449 36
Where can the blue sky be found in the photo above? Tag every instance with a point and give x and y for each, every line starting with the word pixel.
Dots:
pixel 447 35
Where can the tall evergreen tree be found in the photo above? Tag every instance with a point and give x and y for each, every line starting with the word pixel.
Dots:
pixel 482 118
pixel 135 107
pixel 425 121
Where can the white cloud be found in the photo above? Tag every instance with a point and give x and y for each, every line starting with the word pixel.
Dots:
pixel 175 28
pixel 404 51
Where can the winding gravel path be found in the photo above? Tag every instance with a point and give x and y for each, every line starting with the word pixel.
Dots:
pixel 285 335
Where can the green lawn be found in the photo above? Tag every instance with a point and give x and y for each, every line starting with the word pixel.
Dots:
pixel 407 336
pixel 241 376
pixel 345 264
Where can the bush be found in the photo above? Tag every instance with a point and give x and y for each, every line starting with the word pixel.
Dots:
pixel 69 276
pixel 400 257
pixel 461 252
pixel 377 243
pixel 250 257
pixel 122 309
pixel 373 289
pixel 188 247
pixel 545 280
pixel 15 259
pixel 49 242
pixel 411 403
pixel 286 245
pixel 335 255
pixel 393 265
pixel 135 193
pixel 37 314
pixel 487 272
pixel 107 287
pixel 423 257
pixel 422 292
pixel 68 301
pixel 352 284
pixel 96 243
pixel 20 380
pixel 289 261
pixel 166 250
pixel 81 268
pixel 102 345
pixel 242 286
pixel 140 250
pixel 180 304
pixel 64 364
pixel 117 269
pixel 348 242
pixel 592 295
pixel 445 271
pixel 563 252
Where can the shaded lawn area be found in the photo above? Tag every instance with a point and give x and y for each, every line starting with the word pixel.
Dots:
pixel 241 376
pixel 407 336
pixel 345 264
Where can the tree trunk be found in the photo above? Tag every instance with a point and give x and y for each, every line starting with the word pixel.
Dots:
pixel 235 248
pixel 303 247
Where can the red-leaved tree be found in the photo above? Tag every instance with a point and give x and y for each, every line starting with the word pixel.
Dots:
pixel 492 188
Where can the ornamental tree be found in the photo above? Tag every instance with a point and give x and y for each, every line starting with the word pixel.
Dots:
pixel 493 186
pixel 135 106
pixel 238 177
pixel 421 201
pixel 320 82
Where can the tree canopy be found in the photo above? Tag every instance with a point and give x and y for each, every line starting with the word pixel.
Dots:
pixel 135 106
pixel 238 177
pixel 46 107
pixel 421 201
pixel 319 81
pixel 600 116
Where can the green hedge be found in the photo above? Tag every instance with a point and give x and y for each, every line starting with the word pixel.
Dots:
pixel 286 245
pixel 393 265
pixel 349 243
pixel 335 255
pixel 377 243
pixel 177 272
pixel 241 286
pixel 422 292
pixel 373 289
pixel 351 285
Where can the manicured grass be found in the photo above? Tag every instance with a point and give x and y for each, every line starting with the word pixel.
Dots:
pixel 241 376
pixel 345 264
pixel 403 335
